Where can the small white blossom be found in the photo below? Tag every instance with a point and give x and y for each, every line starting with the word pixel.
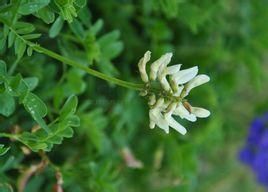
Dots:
pixel 176 85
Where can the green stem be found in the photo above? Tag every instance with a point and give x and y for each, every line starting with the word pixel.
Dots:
pixel 85 68
pixel 10 136
pixel 13 66
pixel 73 63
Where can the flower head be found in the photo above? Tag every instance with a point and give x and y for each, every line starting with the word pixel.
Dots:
pixel 167 99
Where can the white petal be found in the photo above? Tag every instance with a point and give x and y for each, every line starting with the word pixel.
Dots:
pixel 200 112
pixel 175 125
pixel 198 80
pixel 165 84
pixel 142 66
pixel 184 113
pixel 185 75
pixel 159 120
pixel 152 124
pixel 162 61
pixel 173 69
pixel 152 100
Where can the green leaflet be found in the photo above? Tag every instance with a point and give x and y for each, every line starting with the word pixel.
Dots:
pixel 16 86
pixel 59 130
pixel 3 150
pixel 7 104
pixel 29 7
pixel 56 27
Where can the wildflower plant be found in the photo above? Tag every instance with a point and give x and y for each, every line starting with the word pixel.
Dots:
pixel 69 85
pixel 166 88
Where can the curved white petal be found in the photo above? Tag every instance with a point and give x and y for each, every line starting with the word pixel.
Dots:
pixel 200 112
pixel 175 125
pixel 185 75
pixel 142 66
pixel 157 118
pixel 198 80
pixel 184 113
pixel 173 69
pixel 161 62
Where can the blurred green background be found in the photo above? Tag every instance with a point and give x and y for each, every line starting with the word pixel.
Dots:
pixel 227 39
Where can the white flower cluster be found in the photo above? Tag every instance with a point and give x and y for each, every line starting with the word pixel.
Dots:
pixel 175 86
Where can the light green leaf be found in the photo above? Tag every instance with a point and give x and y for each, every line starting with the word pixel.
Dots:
pixel 37 108
pixel 31 82
pixel 31 36
pixel 96 27
pixel 46 15
pixel 3 149
pixel 11 39
pixel 80 3
pixel 77 29
pixel 20 47
pixel 32 6
pixel 24 28
pixel 69 107
pixel 56 27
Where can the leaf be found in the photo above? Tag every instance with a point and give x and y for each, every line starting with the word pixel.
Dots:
pixel 3 149
pixel 11 39
pixel 80 3
pixel 37 108
pixel 20 47
pixel 24 28
pixel 77 29
pixel 15 86
pixel 29 51
pixel 7 104
pixel 31 36
pixel 56 27
pixel 31 82
pixel 110 47
pixel 32 6
pixel 69 107
pixel 46 15
pixel 96 27
pixel 3 68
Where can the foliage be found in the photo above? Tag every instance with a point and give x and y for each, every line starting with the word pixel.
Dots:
pixel 61 123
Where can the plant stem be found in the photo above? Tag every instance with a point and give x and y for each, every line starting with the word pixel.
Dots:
pixel 10 136
pixel 85 68
pixel 73 63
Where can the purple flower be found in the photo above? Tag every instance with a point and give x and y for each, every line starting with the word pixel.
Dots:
pixel 255 131
pixel 246 155
pixel 255 152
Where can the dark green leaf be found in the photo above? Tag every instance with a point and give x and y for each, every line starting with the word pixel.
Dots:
pixel 7 104
pixel 3 68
